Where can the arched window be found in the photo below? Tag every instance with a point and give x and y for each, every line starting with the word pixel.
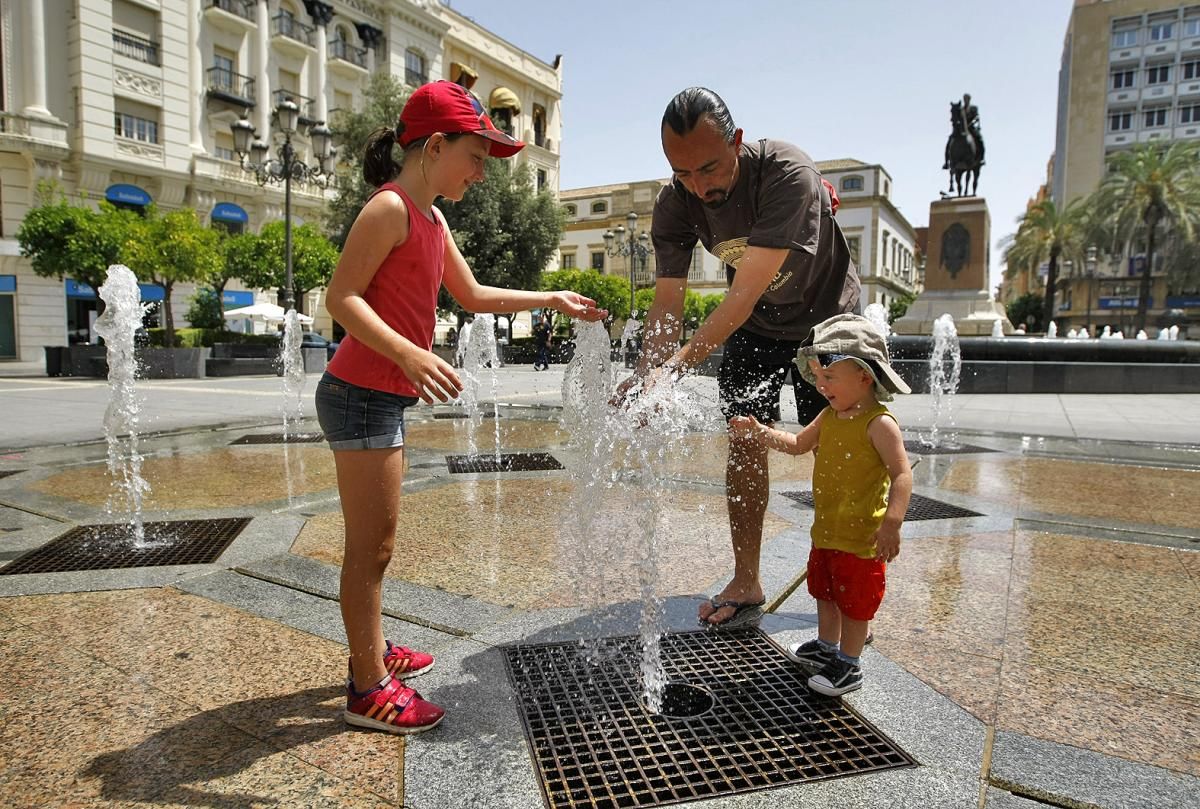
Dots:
pixel 503 108
pixel 853 183
pixel 571 210
pixel 599 207
pixel 539 125
pixel 415 72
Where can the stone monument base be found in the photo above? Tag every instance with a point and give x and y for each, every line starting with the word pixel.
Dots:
pixel 974 312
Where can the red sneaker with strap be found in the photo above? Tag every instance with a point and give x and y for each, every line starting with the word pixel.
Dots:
pixel 404 662
pixel 391 707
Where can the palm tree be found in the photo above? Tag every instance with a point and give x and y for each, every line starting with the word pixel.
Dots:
pixel 1147 188
pixel 1047 233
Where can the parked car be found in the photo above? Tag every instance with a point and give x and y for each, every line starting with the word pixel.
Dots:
pixel 310 339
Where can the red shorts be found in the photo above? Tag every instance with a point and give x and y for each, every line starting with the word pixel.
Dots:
pixel 855 584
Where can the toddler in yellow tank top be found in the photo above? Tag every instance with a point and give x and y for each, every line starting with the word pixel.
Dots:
pixel 861 487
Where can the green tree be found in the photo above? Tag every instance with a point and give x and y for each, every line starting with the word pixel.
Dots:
pixel 1027 310
pixel 172 248
pixel 262 263
pixel 899 307
pixel 206 311
pixel 608 291
pixel 711 302
pixel 245 256
pixel 1046 232
pixel 1147 188
pixel 76 241
pixel 506 231
pixel 383 99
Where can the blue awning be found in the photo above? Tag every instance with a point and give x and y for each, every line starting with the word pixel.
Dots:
pixel 151 292
pixel 8 283
pixel 126 194
pixel 228 212
pixel 75 289
pixel 236 300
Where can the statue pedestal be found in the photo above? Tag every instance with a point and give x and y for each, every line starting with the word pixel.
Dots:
pixel 956 267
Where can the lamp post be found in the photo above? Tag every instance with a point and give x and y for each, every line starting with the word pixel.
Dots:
pixel 1090 269
pixel 285 167
pixel 632 244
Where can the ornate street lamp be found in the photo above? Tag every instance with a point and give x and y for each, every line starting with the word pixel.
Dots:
pixel 1090 270
pixel 633 245
pixel 286 167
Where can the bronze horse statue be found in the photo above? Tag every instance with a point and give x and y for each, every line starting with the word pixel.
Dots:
pixel 962 155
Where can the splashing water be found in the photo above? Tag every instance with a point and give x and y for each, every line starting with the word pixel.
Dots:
pixel 619 468
pixel 945 368
pixel 1174 332
pixel 479 355
pixel 875 313
pixel 997 328
pixel 1164 334
pixel 291 361
pixel 122 316
pixel 1141 335
pixel 1052 329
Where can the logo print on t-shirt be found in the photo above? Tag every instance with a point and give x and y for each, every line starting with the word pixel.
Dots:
pixel 731 252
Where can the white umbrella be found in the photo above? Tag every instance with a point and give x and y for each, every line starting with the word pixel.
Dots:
pixel 266 311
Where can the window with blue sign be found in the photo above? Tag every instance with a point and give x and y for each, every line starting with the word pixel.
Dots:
pixel 129 197
pixel 8 317
pixel 236 300
pixel 229 217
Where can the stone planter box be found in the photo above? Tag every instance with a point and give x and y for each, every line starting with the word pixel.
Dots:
pixel 160 363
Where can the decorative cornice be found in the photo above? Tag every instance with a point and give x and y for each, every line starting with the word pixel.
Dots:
pixel 363 7
pixel 142 151
pixel 369 34
pixel 138 83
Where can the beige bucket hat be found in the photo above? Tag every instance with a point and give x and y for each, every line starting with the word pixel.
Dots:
pixel 851 337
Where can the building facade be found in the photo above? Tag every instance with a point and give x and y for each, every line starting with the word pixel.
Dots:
pixel 1130 74
pixel 132 101
pixel 881 240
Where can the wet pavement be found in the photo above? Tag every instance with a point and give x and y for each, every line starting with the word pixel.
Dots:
pixel 1044 652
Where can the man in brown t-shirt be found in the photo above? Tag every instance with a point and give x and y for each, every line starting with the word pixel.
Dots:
pixel 762 209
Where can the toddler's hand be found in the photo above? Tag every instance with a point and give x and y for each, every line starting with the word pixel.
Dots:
pixel 745 427
pixel 887 543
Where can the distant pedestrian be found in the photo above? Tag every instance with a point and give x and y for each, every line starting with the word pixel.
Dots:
pixel 861 487
pixel 543 337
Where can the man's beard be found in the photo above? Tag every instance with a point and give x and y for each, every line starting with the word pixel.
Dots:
pixel 715 199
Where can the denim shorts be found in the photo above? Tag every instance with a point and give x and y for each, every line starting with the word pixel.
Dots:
pixel 360 418
pixel 752 374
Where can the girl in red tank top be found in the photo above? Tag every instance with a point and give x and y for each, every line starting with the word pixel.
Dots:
pixel 384 293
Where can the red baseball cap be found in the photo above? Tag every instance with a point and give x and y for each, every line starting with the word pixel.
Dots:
pixel 443 106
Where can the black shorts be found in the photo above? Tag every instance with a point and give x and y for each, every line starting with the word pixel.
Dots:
pixel 752 374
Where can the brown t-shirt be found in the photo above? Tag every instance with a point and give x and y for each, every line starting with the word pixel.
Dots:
pixel 779 202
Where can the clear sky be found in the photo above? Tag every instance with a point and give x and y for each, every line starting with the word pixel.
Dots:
pixel 868 79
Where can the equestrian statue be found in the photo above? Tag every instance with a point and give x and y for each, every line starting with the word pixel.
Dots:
pixel 964 148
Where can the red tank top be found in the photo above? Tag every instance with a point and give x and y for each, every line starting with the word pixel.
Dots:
pixel 404 293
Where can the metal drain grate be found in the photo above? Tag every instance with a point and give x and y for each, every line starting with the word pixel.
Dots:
pixel 509 462
pixel 277 438
pixel 958 449
pixel 111 546
pixel 919 507
pixel 490 414
pixel 595 745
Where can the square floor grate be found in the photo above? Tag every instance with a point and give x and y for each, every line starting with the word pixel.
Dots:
pixel 957 449
pixel 277 438
pixel 919 507
pixel 596 745
pixel 508 462
pixel 111 546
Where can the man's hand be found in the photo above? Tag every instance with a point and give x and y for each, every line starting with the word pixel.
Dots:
pixel 887 542
pixel 432 375
pixel 576 305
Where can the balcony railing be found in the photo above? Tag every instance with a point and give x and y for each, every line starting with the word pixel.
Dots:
pixel 414 79
pixel 230 86
pixel 143 50
pixel 307 105
pixel 241 8
pixel 286 25
pixel 341 49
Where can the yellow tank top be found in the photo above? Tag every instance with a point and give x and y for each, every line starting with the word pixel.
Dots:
pixel 850 484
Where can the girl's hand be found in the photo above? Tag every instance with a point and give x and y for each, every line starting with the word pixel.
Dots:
pixel 432 375
pixel 576 305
